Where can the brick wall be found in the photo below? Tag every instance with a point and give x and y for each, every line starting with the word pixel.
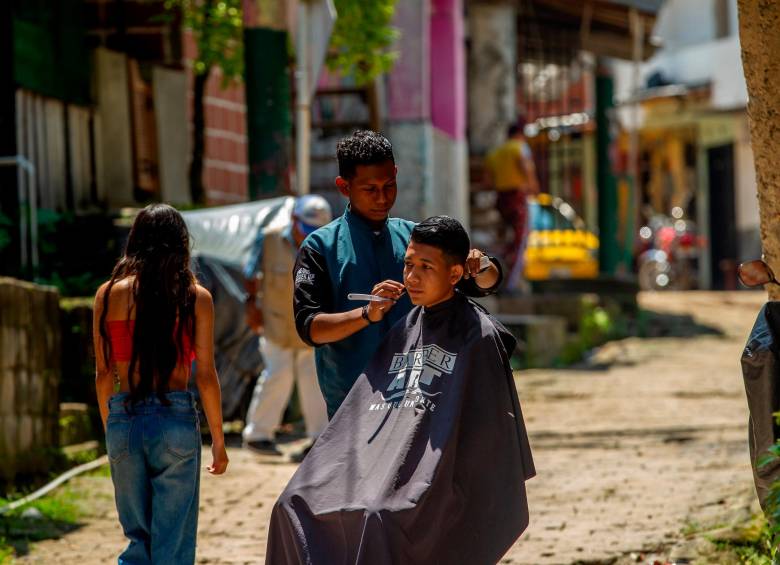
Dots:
pixel 225 171
pixel 29 376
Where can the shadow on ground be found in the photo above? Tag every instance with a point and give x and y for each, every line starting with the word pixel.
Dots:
pixel 652 324
pixel 18 532
pixel 647 325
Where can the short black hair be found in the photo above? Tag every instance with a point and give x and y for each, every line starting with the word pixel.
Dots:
pixel 517 127
pixel 363 147
pixel 444 233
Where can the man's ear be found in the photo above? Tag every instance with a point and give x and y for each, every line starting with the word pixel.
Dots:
pixel 343 185
pixel 456 273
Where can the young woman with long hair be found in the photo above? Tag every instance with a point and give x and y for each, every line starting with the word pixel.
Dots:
pixel 151 320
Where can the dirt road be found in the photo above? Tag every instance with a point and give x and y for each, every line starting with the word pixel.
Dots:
pixel 643 446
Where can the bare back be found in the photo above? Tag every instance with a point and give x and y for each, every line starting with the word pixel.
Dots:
pixel 121 308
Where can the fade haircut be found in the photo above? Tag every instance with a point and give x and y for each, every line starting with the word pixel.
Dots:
pixel 446 234
pixel 364 147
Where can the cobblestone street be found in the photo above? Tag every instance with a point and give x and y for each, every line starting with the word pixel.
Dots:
pixel 647 442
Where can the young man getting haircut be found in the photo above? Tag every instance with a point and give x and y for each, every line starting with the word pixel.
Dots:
pixel 361 252
pixel 427 458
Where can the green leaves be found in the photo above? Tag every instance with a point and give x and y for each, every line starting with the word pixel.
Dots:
pixel 362 39
pixel 772 455
pixel 361 44
pixel 217 27
pixel 772 501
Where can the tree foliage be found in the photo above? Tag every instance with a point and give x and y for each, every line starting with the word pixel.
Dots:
pixel 361 44
pixel 362 40
pixel 217 27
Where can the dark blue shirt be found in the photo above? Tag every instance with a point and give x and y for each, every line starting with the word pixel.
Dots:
pixel 349 255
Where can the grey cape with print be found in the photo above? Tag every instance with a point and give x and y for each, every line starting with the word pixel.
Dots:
pixel 425 461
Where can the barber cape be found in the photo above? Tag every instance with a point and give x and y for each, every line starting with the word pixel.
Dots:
pixel 425 461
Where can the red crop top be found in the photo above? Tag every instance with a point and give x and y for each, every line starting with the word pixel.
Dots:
pixel 120 332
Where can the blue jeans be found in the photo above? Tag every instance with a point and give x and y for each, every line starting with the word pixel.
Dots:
pixel 154 453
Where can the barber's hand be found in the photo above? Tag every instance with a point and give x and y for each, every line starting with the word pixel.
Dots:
pixel 472 263
pixel 392 290
pixel 486 279
pixel 254 318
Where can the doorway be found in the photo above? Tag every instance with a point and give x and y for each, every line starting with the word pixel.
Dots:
pixel 723 231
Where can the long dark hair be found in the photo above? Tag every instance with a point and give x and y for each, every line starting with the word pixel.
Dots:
pixel 157 254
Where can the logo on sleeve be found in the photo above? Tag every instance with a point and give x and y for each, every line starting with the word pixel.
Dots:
pixel 304 275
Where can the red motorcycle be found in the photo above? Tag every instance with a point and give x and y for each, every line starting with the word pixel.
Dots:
pixel 668 253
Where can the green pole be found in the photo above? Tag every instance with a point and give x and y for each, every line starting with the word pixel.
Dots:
pixel 609 248
pixel 630 228
pixel 269 121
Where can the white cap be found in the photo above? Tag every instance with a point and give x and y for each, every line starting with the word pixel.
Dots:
pixel 312 211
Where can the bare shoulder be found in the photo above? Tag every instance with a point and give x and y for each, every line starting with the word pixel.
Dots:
pixel 101 291
pixel 121 289
pixel 202 298
pixel 120 299
pixel 100 297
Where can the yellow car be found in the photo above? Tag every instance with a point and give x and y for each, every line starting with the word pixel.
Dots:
pixel 558 246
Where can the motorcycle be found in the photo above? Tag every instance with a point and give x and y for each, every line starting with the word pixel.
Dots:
pixel 668 253
pixel 761 373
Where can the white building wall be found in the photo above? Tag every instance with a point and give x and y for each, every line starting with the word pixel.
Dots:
pixel 746 195
pixel 681 23
pixel 692 54
pixel 716 63
pixel 449 189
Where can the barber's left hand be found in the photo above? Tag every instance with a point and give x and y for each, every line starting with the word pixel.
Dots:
pixel 472 263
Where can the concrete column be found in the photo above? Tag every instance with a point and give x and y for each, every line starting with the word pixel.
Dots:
pixel 408 99
pixel 492 74
pixel 450 182
pixel 413 149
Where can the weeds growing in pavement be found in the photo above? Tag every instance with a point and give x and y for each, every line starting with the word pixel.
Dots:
pixel 754 548
pixel 46 518
pixel 762 548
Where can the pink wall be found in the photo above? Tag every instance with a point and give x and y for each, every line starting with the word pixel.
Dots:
pixel 408 86
pixel 448 68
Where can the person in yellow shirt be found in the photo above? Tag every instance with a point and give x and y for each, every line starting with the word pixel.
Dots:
pixel 510 171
